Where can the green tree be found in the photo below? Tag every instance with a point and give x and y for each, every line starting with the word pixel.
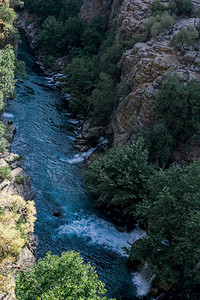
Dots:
pixel 65 277
pixel 178 106
pixel 120 178
pixel 74 29
pixel 162 145
pixel 52 34
pixel 71 8
pixel 7 67
pixel 183 39
pixel 102 99
pixel 183 6
pixel 7 14
pixel 171 246
pixel 79 83
pixel 157 24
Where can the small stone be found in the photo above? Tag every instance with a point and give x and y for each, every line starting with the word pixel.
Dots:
pixel 57 213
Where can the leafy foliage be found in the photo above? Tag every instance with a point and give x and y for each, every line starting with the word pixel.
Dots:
pixel 65 277
pixel 102 99
pixel 178 106
pixel 182 39
pixel 176 6
pixel 7 14
pixel 172 211
pixel 5 173
pixel 157 24
pixel 52 34
pixel 7 67
pixel 16 221
pixel 63 8
pixel 19 179
pixel 120 177
pixel 183 6
pixel 162 145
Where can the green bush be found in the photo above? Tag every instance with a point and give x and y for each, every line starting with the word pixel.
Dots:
pixel 7 14
pixel 182 39
pixel 157 24
pixel 74 29
pixel 20 68
pixel 183 6
pixel 176 6
pixel 102 100
pixel 20 179
pixel 2 129
pixel 63 8
pixel 52 34
pixel 162 145
pixel 2 147
pixel 79 83
pixel 120 178
pixel 5 173
pixel 7 67
pixel 157 7
pixel 171 247
pixel 65 277
pixel 178 106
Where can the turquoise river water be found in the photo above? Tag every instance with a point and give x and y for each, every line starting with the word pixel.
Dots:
pixel 45 137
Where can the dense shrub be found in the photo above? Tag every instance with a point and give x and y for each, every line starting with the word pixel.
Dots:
pixel 79 83
pixel 52 34
pixel 16 221
pixel 157 7
pixel 65 277
pixel 176 6
pixel 2 147
pixel 7 67
pixel 171 247
pixel 5 173
pixel 7 14
pixel 2 129
pixel 157 24
pixel 178 106
pixel 102 100
pixel 120 178
pixel 162 145
pixel 183 6
pixel 74 29
pixel 182 39
pixel 63 8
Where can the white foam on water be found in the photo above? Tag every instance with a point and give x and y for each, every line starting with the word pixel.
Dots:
pixel 8 115
pixel 78 158
pixel 100 232
pixel 142 285
pixel 73 121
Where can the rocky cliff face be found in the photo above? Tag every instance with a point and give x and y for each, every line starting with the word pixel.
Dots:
pixel 109 8
pixel 144 65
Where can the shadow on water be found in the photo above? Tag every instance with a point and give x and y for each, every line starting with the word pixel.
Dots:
pixel 45 140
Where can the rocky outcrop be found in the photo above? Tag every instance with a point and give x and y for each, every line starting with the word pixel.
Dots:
pixel 31 24
pixel 143 68
pixel 132 14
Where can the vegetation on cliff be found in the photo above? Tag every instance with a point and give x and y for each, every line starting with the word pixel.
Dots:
pixel 16 223
pixel 171 246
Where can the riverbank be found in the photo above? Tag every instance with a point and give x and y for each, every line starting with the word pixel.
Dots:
pixel 18 184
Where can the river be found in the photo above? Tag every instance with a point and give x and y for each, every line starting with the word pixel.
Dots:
pixel 45 137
